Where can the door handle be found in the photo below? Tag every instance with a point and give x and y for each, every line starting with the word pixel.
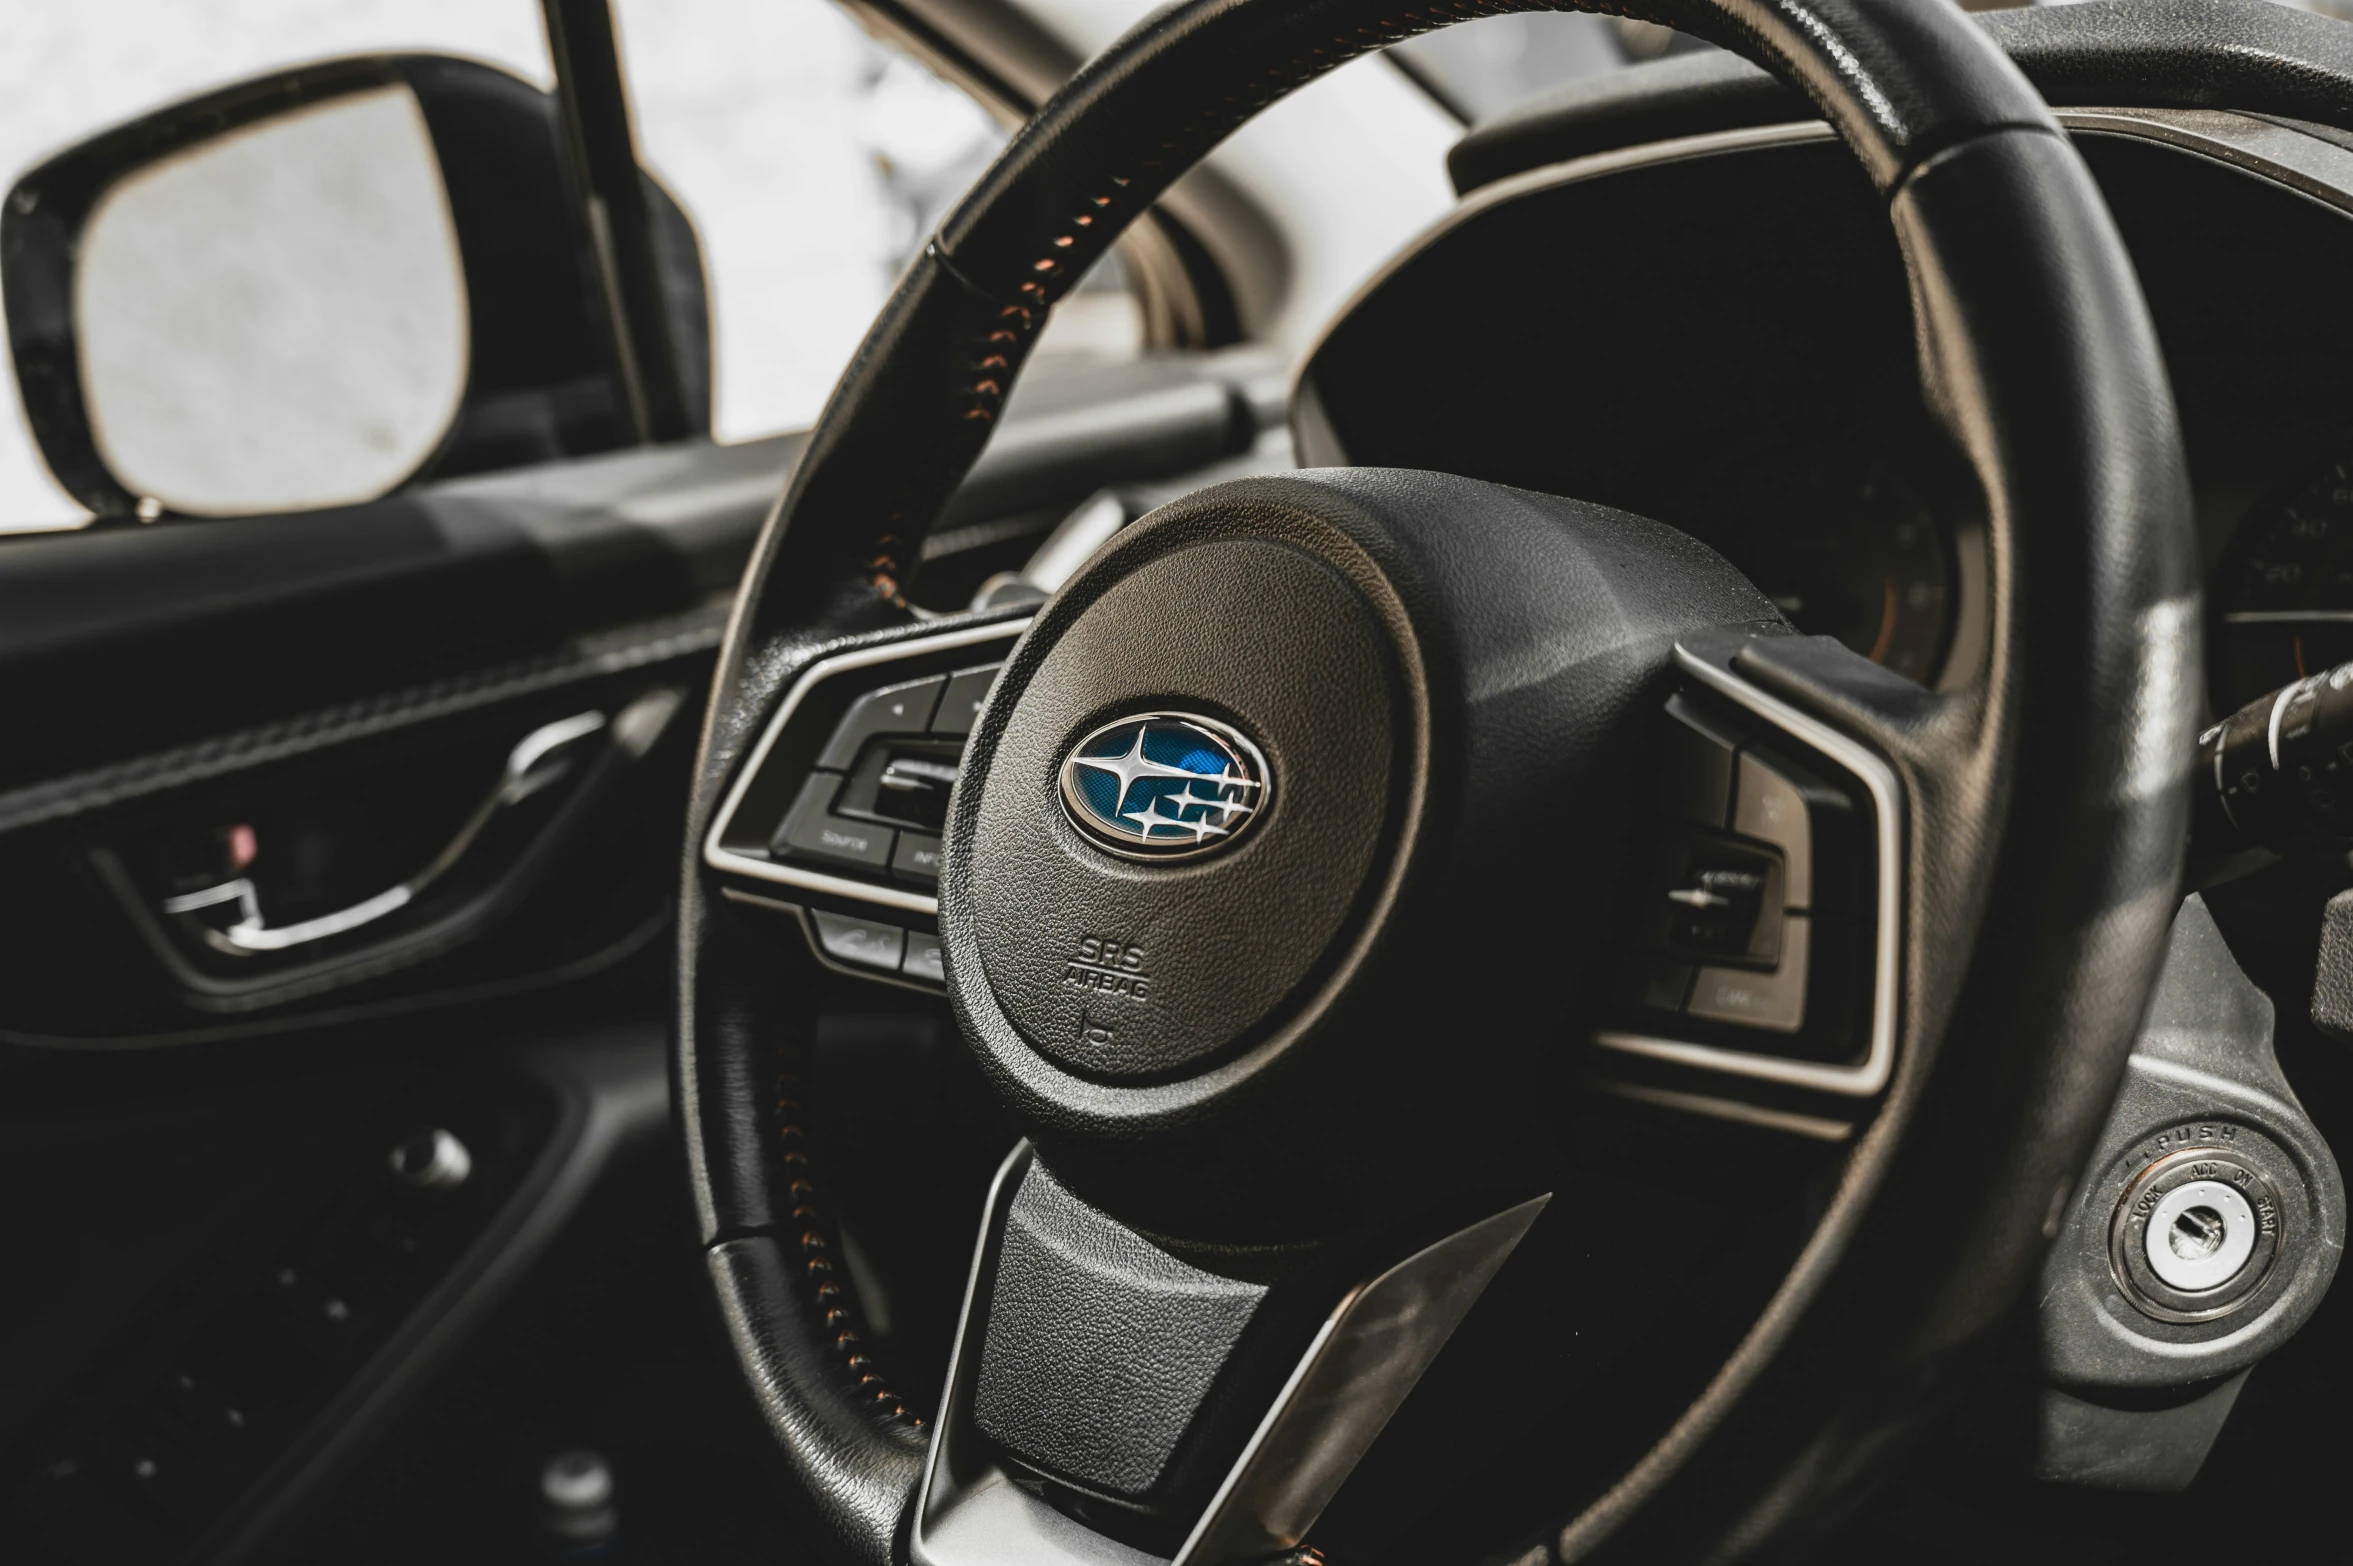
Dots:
pixel 543 757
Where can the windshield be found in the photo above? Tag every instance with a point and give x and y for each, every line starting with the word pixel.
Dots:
pixel 812 159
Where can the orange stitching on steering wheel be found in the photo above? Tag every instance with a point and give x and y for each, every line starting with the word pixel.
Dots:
pixel 836 1302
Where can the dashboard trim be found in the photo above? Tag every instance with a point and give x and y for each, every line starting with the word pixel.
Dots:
pixel 2273 149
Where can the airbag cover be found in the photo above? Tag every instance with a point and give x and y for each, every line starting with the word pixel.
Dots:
pixel 1122 970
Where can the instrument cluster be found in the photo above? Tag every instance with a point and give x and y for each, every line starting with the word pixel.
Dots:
pixel 2283 597
pixel 1848 540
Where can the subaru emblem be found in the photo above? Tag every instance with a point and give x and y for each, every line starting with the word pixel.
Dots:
pixel 1164 785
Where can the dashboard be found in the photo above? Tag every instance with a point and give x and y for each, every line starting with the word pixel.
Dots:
pixel 1716 332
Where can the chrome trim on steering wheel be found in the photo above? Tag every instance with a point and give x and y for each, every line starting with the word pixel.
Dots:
pixel 719 857
pixel 1868 1076
pixel 523 776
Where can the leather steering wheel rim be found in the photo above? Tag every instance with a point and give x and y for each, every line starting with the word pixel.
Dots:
pixel 2036 351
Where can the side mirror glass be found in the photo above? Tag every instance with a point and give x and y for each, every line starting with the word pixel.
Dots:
pixel 275 319
pixel 309 289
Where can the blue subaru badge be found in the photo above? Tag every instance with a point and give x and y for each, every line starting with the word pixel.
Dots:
pixel 1164 785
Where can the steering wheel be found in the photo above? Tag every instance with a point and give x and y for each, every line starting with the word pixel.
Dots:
pixel 1396 741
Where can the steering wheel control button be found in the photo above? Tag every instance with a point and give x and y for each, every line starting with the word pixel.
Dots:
pixel 923 959
pixel 1779 800
pixel 900 783
pixel 1724 901
pixel 895 709
pixel 1657 984
pixel 847 789
pixel 860 943
pixel 966 692
pixel 848 842
pixel 812 831
pixel 1751 922
pixel 1773 999
pixel 1165 785
pixel 917 859
pixel 1695 769
pixel 1767 805
pixel 2194 1235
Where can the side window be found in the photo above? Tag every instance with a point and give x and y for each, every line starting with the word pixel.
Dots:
pixel 197 209
pixel 814 161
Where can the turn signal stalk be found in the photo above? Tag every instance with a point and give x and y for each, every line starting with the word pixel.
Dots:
pixel 2281 767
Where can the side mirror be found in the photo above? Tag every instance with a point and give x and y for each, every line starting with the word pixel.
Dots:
pixel 313 288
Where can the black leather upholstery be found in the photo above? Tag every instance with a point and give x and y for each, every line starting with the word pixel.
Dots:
pixel 857 1474
pixel 740 1060
pixel 2036 347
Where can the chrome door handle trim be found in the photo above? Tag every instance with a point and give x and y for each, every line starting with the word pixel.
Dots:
pixel 542 757
pixel 250 935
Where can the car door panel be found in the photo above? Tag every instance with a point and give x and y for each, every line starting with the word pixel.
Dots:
pixel 344 688
pixel 200 1119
